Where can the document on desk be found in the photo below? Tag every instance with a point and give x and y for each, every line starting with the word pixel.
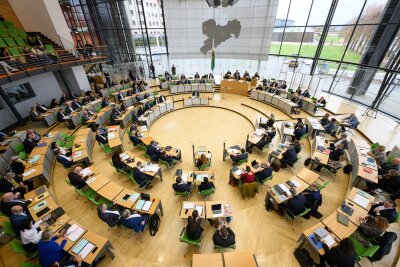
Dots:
pixel 151 168
pixel 34 159
pixel 238 172
pixel 79 246
pixel 140 204
pixel 77 154
pixel 282 198
pixel 296 183
pixel 143 128
pixel 28 172
pixel 111 136
pixel 185 177
pixel 188 205
pixel 85 172
pixel 86 250
pixel 199 209
pixel 147 205
pixel 74 235
pixel 134 197
pixel 91 180
pixel 124 156
pixel 362 201
pixel 329 241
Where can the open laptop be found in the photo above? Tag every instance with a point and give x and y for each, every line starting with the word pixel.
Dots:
pixel 216 209
pixel 343 219
pixel 40 190
pixel 55 214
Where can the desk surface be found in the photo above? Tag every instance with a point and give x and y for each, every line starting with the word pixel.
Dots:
pixel 209 213
pixel 96 240
pixel 100 181
pixel 358 212
pixel 239 259
pixel 207 260
pixel 307 175
pixel 310 231
pixel 340 230
pixel 49 202
pixel 355 191
pixel 184 215
pixel 125 203
pixel 71 243
pixel 110 190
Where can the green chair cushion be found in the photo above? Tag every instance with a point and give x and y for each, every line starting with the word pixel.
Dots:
pixel 9 24
pixel 22 33
pixel 2 43
pixel 2 25
pixel 49 48
pixel 10 42
pixel 19 41
pixel 3 33
pixel 12 33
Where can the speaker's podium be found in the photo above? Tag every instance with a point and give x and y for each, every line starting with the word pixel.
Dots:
pixel 231 86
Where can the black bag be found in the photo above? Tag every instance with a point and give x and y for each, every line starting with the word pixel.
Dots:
pixel 385 245
pixel 154 223
pixel 347 169
pixel 275 165
pixel 303 257
pixel 307 162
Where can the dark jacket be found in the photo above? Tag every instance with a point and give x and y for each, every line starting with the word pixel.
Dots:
pixel 337 257
pixel 264 173
pixel 17 167
pixel 104 103
pixel 76 180
pixel 139 176
pixel 290 156
pixel 299 132
pixel 296 205
pixel 7 206
pixel 335 154
pixel 153 152
pixel 7 186
pixel 389 214
pixel 111 219
pixel 134 223
pixel 193 228
pixel 101 139
pixel 29 145
pixel 181 187
pixel 16 221
pixel 240 157
pixel 65 162
pixel 219 241
pixel 50 251
pixel 206 186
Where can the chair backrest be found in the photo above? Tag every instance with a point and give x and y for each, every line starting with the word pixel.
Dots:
pixel 182 194
pixel 205 166
pixel 18 148
pixel 2 25
pixel 9 24
pixel 22 33
pixel 2 43
pixel 17 246
pixel 20 41
pixel 207 192
pixel 3 33
pixel 49 48
pixel 22 155
pixel 242 161
pixel 10 42
pixel 68 182
pixel 12 33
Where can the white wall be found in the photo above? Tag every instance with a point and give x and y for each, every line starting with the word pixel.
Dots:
pixel 45 87
pixel 75 79
pixel 43 16
pixel 81 78
pixel 6 115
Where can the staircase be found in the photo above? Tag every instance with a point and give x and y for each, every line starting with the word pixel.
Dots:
pixel 64 55
pixel 217 88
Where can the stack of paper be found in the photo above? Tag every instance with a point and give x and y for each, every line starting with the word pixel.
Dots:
pixel 188 205
pixel 29 172
pixel 185 177
pixel 151 168
pixel 329 241
pixel 91 180
pixel 361 201
pixel 34 159
pixel 199 209
pixel 74 232
pixel 77 154
pixel 124 156
pixel 86 172
pixel 147 205
pixel 296 183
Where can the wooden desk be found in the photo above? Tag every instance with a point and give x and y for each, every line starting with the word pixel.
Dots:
pixel 82 148
pixel 358 212
pixel 35 197
pixel 147 140
pixel 71 243
pixel 61 221
pixel 207 260
pixel 99 242
pixel 235 87
pixel 370 175
pixel 254 138
pixel 239 259
pixel 353 193
pixel 209 213
pixel 320 157
pixel 100 181
pixel 49 203
pixel 190 176
pixel 125 203
pixel 157 204
pixel 209 174
pixel 310 231
pixel 116 141
pixel 373 166
pixel 110 190
pixel 184 215
pixel 307 175
pixel 340 230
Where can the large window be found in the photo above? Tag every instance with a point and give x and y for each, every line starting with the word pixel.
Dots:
pixel 19 93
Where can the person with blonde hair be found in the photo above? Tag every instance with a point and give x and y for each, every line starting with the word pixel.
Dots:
pixel 373 226
pixel 202 160
pixel 378 154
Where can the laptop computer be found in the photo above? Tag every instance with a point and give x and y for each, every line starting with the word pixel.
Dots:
pixel 279 189
pixel 216 209
pixel 55 214
pixel 321 232
pixel 343 219
pixel 201 149
pixel 40 190
pixel 346 209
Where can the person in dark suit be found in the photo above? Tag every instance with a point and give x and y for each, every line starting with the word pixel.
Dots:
pixel 153 151
pixel 224 236
pixel 17 165
pixel 265 140
pixel 92 97
pixel 289 156
pixel 312 194
pixel 18 216
pixel 336 153
pixel 197 75
pixel 296 204
pixel 75 105
pixel 343 255
pixel 202 81
pixel 390 182
pixel 76 178
pixel 206 185
pixel 109 215
pixel 387 166
pixel 101 138
pixel 36 136
pixel 271 133
pixel 63 99
pixel 195 94
pixel 385 209
pixel 60 115
pixel 306 94
pixel 10 200
pixel 265 172
pixel 181 186
pixel 342 140
pixel 300 131
pixel 140 177
pixel 330 126
pixel 297 146
pixel 29 143
pixel 140 111
pixel 120 96
pixel 12 183
pixel 324 120
pixel 242 156
pixel 104 103
pixel 193 227
pixel 34 114
pixel 162 99
pixel 167 158
pixel 63 159
pixel 68 108
pixel 123 106
pixel 113 118
pixel 41 108
pixel 117 162
pixel 133 221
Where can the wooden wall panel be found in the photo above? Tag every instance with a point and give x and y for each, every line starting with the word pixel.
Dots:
pixel 8 13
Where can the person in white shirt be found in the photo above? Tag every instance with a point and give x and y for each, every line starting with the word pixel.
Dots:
pixel 342 140
pixel 30 236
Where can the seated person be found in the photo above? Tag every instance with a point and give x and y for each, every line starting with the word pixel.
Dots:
pixel 101 137
pixel 337 152
pixel 324 120
pixel 385 167
pixel 63 159
pixel 265 172
pixel 344 254
pixel 61 116
pixel 68 108
pixel 17 165
pixel 135 138
pixel 378 154
pixel 34 114
pixel 17 218
pixel 10 200
pixel 271 133
pixel 140 177
pixel 113 118
pixel 321 101
pixel 195 94
pixel 134 126
pixel 265 140
pixel 342 140
pixel 296 203
pixel 300 131
pixel 248 176
pixel 153 151
pixel 385 209
pixel 49 250
pixel 271 121
pixel 109 215
pixel 351 122
pixel 118 164
pixel 373 226
pixel 202 81
pixel 390 182
pixel 29 143
pixel 123 106
pixel 289 157
pixel 92 97
pixel 306 94
pixel 242 156
pixel 224 236
pixel 75 105
pixel 312 194
pixel 167 158
pixel 104 103
pixel 181 186
pixel 328 128
pixel 297 146
pixel 202 160
pixel 133 221
pixel 85 116
pixel 76 179
pixel 41 108
pixel 30 235
pixel 12 183
pixel 299 123
pixel 193 228
pixel 197 75
pixel 206 185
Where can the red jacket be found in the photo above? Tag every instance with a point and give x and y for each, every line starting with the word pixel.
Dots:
pixel 247 177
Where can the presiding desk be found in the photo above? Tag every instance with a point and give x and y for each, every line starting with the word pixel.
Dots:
pixel 225 259
pixel 232 86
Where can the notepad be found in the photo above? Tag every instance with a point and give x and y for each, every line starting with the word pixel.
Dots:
pixel 86 250
pixel 151 168
pixel 147 205
pixel 188 205
pixel 29 172
pixel 238 172
pixel 185 177
pixel 34 158
pixel 134 197
pixel 79 246
pixel 362 201
pixel 76 234
pixel 199 209
pixel 295 183
pixel 85 172
pixel 140 204
pixel 329 241
pixel 77 154
pixel 111 135
pixel 124 156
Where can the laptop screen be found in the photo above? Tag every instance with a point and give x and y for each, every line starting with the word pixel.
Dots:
pixel 40 190
pixel 216 207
